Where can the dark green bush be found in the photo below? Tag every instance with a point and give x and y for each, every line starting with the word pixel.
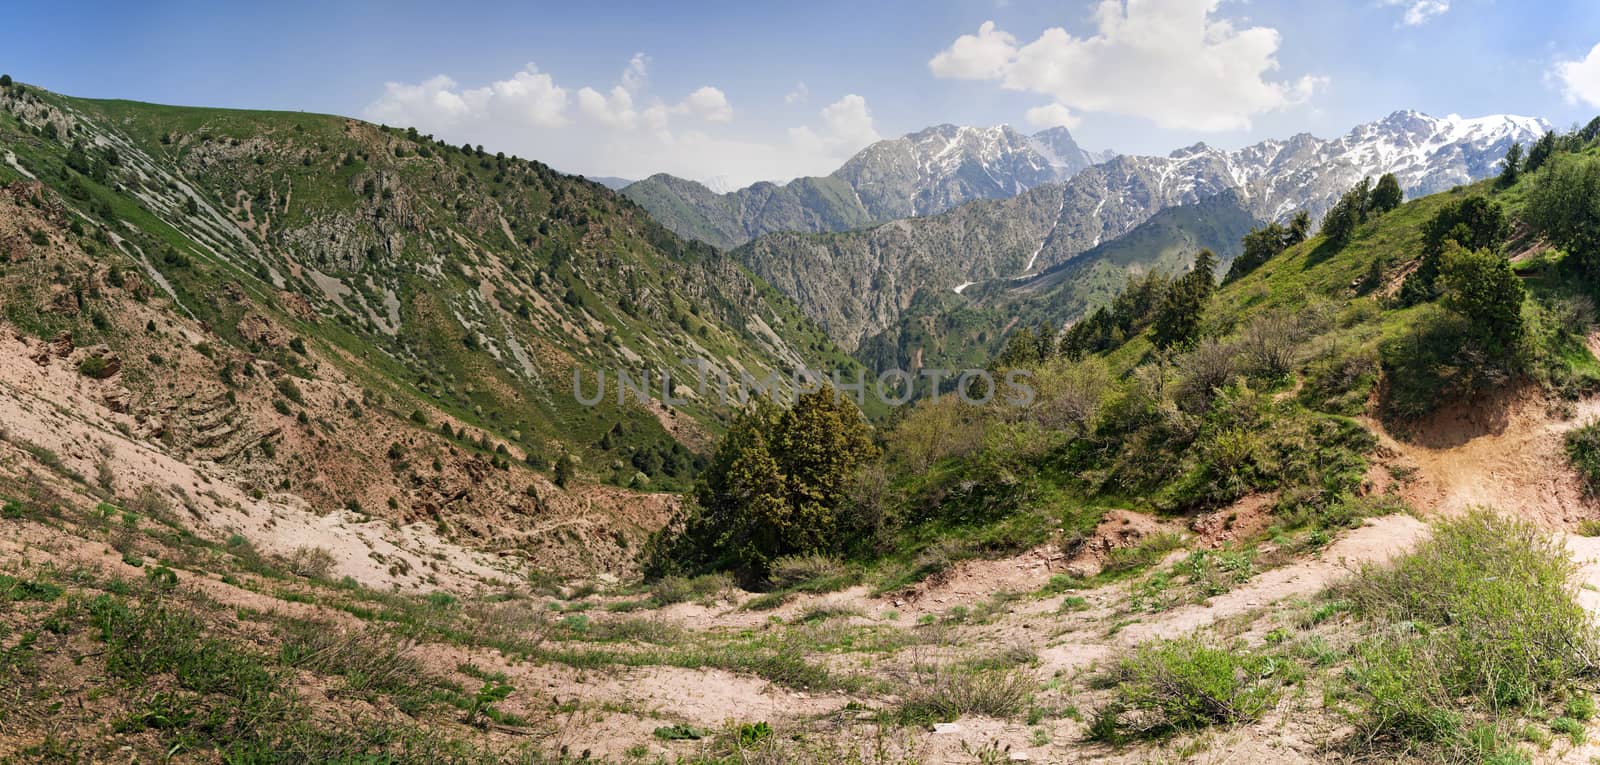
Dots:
pixel 96 367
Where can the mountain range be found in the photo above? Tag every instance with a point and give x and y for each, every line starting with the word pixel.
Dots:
pixel 857 283
pixel 919 174
pixel 440 300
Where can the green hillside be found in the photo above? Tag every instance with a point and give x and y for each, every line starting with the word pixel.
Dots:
pixel 1195 405
pixel 961 331
pixel 463 279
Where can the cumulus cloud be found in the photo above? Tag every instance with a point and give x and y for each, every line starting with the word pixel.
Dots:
pixel 799 95
pixel 1419 11
pixel 613 111
pixel 709 104
pixel 1169 61
pixel 846 128
pixel 1051 115
pixel 1580 79
pixel 623 129
pixel 532 98
pixel 988 55
pixel 529 98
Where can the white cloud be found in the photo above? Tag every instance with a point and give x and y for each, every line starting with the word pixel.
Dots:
pixel 1580 79
pixel 637 74
pixel 530 98
pixel 1419 11
pixel 615 111
pixel 655 117
pixel 1168 61
pixel 709 104
pixel 849 120
pixel 623 129
pixel 846 129
pixel 799 95
pixel 1051 115
pixel 984 56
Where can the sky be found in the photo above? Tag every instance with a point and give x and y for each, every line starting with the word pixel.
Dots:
pixel 735 92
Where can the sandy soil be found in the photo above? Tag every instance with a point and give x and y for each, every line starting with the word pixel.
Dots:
pixel 1503 452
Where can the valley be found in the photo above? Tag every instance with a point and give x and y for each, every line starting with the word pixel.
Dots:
pixel 297 459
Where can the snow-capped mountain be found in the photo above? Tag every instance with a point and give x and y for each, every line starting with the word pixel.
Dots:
pixel 1058 146
pixel 918 174
pixel 933 170
pixel 1274 178
pixel 942 167
pixel 857 283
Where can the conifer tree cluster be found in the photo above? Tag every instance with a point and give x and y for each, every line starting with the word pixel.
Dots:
pixel 1267 242
pixel 1177 322
pixel 1357 204
pixel 779 484
pixel 1474 223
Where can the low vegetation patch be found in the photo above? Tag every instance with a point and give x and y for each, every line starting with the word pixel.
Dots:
pixel 1477 629
pixel 949 693
pixel 1171 686
pixel 1583 452
pixel 810 573
pixel 678 589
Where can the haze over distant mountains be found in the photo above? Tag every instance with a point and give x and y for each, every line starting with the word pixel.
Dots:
pixel 611 182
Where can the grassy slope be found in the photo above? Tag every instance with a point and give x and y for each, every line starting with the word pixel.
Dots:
pixel 963 331
pixel 121 629
pixel 1015 482
pixel 584 280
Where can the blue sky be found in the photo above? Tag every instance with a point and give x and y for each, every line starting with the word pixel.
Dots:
pixel 717 89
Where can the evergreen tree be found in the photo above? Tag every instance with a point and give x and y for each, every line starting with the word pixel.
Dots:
pixel 1130 312
pixel 1565 206
pixel 1021 348
pixel 819 442
pixel 778 484
pixel 1511 167
pixel 1177 322
pixel 1541 151
pixel 1299 228
pixel 1047 340
pixel 1348 213
pixel 1260 245
pixel 1341 221
pixel 566 470
pixel 5 80
pixel 1476 223
pixel 1360 196
pixel 1387 194
pixel 1590 131
pixel 1479 285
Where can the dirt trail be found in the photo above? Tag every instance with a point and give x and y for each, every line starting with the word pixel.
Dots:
pixel 1505 453
pixel 1377 539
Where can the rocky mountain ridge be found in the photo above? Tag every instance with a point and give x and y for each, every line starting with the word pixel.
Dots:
pixel 1269 180
pixel 915 175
